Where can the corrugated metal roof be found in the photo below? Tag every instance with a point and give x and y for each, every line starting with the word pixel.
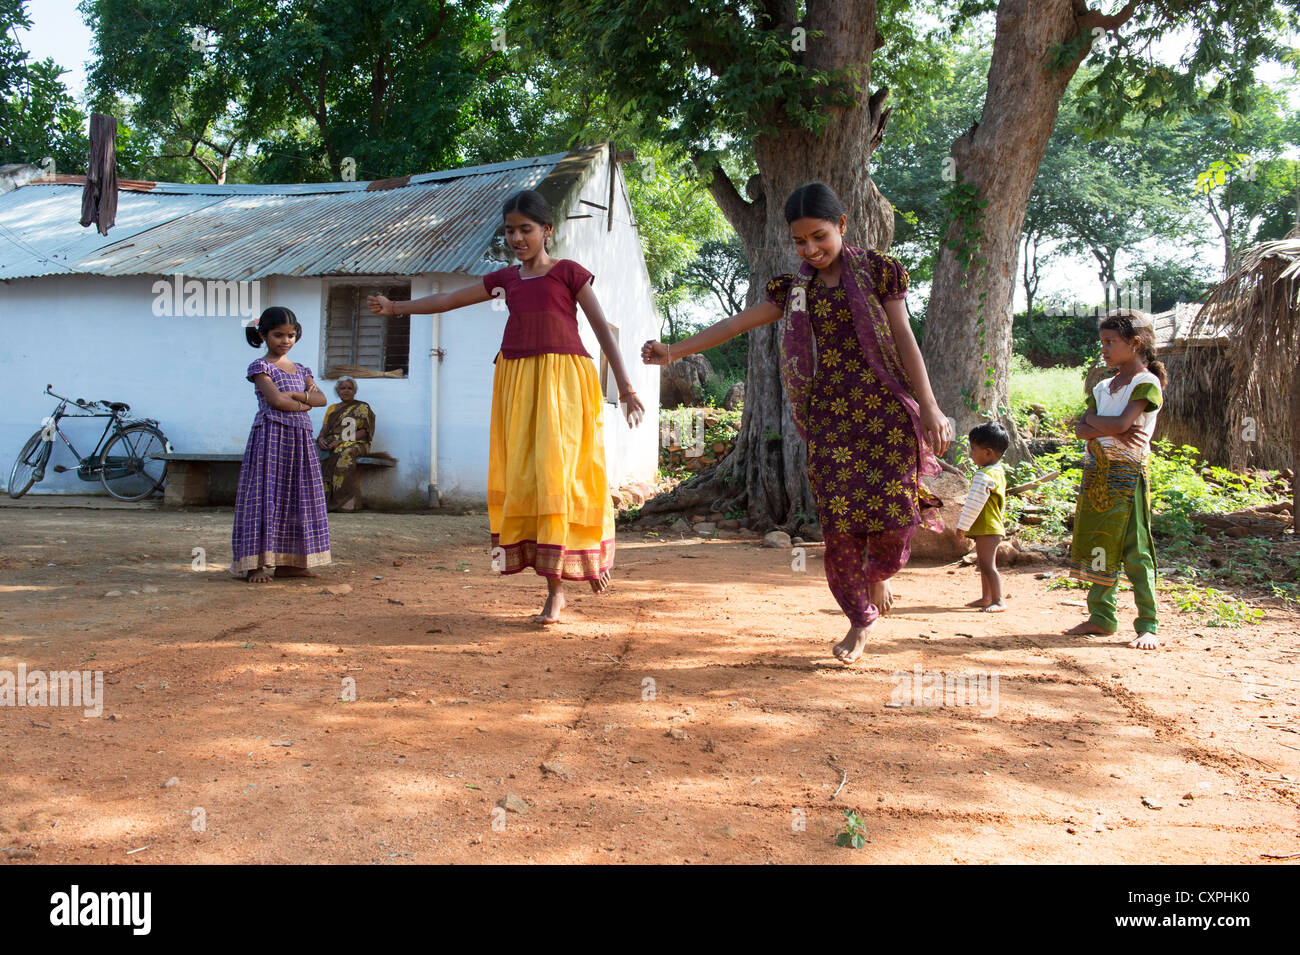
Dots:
pixel 437 222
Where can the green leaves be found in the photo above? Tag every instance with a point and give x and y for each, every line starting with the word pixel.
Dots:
pixel 39 119
pixel 1216 175
pixel 854 833
pixel 285 91
pixel 964 208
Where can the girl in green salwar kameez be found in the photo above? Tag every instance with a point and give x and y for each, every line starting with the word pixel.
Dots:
pixel 1112 520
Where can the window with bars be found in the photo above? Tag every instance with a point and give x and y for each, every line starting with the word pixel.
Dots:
pixel 357 340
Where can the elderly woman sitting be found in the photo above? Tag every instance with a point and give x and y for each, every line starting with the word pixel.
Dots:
pixel 346 434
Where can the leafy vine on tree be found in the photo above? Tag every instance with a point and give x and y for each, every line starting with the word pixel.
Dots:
pixel 964 208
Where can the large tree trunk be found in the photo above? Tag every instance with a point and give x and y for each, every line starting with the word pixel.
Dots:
pixel 767 473
pixel 1000 156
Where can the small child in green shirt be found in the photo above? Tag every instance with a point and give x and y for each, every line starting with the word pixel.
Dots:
pixel 981 516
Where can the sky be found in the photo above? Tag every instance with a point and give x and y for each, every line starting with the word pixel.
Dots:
pixel 58 32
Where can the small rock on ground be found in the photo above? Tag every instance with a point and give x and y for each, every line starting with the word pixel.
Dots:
pixel 512 803
pixel 778 539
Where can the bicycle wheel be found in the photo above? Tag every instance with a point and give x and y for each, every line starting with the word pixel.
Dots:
pixel 127 468
pixel 29 467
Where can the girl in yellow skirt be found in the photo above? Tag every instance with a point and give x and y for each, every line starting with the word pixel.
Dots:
pixel 548 502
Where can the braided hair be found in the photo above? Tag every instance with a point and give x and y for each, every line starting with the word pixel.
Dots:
pixel 1130 324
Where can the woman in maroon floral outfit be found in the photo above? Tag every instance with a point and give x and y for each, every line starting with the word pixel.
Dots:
pixel 860 397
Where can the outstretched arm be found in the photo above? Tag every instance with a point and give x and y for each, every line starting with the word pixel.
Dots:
pixel 934 423
pixel 659 353
pixel 440 302
pixel 633 408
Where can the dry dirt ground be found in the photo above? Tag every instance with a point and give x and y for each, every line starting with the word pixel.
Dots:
pixel 692 714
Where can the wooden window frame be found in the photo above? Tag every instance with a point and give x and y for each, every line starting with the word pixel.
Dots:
pixel 393 286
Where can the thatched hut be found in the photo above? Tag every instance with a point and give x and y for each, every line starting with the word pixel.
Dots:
pixel 1255 313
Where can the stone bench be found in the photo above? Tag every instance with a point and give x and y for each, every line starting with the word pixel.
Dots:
pixel 189 474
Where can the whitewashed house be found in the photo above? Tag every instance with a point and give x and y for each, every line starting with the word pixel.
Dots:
pixel 152 315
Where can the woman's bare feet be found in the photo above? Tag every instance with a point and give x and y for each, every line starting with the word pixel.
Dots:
pixel 294 572
pixel 981 603
pixel 881 596
pixel 551 610
pixel 259 576
pixel 1145 641
pixel 851 647
pixel 998 607
pixel 601 583
pixel 554 602
pixel 1089 629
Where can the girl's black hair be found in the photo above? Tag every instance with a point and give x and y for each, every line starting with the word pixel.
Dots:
pixel 273 317
pixel 813 200
pixel 529 203
pixel 1129 323
pixel 990 434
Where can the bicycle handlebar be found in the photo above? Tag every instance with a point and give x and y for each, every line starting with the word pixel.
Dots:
pixel 79 402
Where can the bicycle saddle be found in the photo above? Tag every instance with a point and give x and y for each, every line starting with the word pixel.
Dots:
pixel 117 405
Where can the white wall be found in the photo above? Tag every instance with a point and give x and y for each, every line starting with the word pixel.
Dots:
pixel 97 337
pixel 622 286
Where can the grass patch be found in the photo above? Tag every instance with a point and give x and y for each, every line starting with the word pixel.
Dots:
pixel 1059 390
pixel 1220 609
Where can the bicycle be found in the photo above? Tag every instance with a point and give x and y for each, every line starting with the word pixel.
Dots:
pixel 126 464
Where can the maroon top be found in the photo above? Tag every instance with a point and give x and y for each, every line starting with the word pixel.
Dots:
pixel 543 309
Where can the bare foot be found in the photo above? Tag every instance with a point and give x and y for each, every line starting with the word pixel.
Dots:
pixel 881 596
pixel 1145 641
pixel 981 603
pixel 1088 628
pixel 551 610
pixel 998 607
pixel 851 647
pixel 294 572
pixel 259 576
pixel 601 583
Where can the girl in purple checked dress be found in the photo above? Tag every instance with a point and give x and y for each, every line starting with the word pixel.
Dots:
pixel 280 520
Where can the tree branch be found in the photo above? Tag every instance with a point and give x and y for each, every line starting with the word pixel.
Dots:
pixel 1087 19
pixel 745 217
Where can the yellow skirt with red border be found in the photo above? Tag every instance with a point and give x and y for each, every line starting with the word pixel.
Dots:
pixel 548 502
